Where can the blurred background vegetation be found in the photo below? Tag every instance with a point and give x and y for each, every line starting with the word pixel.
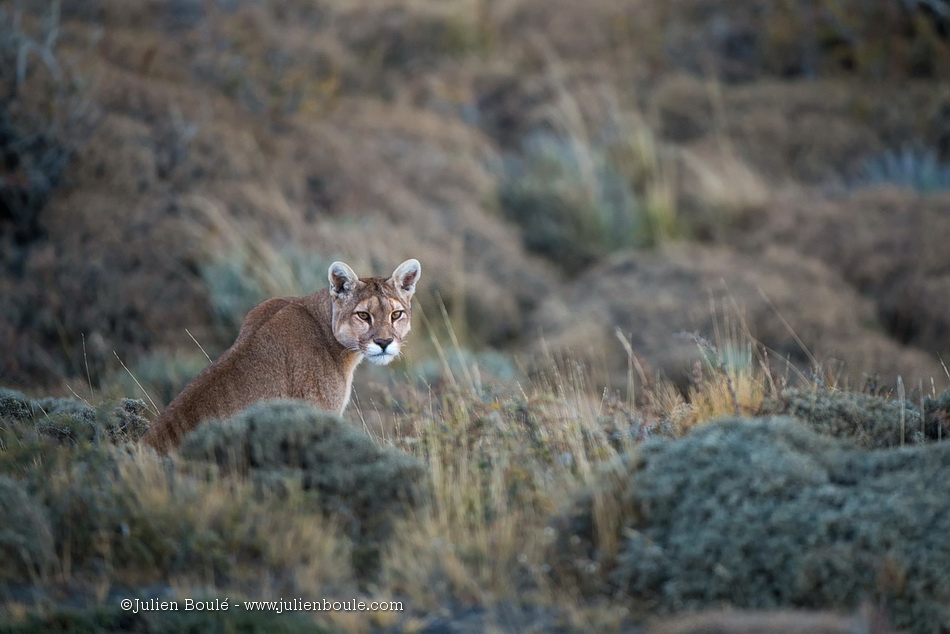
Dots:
pixel 168 164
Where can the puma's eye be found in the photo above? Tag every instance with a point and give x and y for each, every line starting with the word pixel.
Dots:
pixel 362 314
pixel 396 314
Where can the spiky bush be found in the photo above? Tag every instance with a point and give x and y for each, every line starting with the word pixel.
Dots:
pixel 872 422
pixel 94 512
pixel 765 513
pixel 125 420
pixel 342 465
pixel 80 490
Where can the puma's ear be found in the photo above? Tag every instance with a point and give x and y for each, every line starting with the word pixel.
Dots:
pixel 342 280
pixel 405 277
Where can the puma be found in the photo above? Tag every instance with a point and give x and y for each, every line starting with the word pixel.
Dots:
pixel 300 348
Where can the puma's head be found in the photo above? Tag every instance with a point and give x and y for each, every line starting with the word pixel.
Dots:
pixel 371 315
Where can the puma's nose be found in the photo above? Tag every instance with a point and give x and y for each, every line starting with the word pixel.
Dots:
pixel 382 343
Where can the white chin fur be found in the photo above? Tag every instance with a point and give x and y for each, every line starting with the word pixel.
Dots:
pixel 375 354
pixel 380 359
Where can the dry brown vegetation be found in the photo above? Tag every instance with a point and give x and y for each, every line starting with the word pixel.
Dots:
pixel 220 153
pixel 635 217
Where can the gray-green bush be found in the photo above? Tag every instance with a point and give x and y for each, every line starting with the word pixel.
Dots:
pixel 873 422
pixel 14 406
pixel 69 420
pixel 577 201
pixel 289 443
pixel 765 513
pixel 83 505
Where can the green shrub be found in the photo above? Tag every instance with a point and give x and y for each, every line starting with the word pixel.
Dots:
pixel 765 513
pixel 872 422
pixel 26 542
pixel 576 200
pixel 65 468
pixel 69 420
pixel 14 406
pixel 104 515
pixel 489 365
pixel 280 444
pixel 66 419
pixel 90 508
pixel 97 517
pixel 125 422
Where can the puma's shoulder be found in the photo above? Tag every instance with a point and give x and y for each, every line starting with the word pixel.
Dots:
pixel 264 312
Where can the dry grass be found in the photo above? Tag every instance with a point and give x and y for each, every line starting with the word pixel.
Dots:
pixel 502 460
pixel 291 540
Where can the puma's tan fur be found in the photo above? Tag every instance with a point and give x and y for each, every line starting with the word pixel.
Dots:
pixel 298 347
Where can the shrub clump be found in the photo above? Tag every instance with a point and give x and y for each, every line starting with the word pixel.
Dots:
pixel 92 510
pixel 277 443
pixel 14 406
pixel 71 421
pixel 26 541
pixel 126 422
pixel 107 512
pixel 65 419
pixel 98 516
pixel 873 422
pixel 763 514
pixel 111 510
pixel 937 414
pixel 577 202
